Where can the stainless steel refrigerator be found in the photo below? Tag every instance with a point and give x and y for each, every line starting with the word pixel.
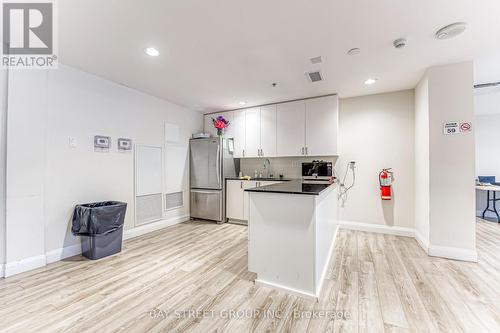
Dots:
pixel 211 161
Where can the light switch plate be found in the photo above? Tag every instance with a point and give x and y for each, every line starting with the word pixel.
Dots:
pixel 72 142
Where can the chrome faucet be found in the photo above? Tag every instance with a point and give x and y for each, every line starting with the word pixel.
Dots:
pixel 267 167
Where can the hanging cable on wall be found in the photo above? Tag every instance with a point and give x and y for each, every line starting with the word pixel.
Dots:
pixel 351 166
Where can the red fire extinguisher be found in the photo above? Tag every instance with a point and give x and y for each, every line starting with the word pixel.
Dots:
pixel 385 178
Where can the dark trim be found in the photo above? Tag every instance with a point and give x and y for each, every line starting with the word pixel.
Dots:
pixel 494 200
pixel 486 85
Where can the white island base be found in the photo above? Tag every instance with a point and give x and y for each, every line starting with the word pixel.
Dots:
pixel 291 238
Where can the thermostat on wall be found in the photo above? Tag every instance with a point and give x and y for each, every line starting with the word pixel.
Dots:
pixel 124 144
pixel 102 142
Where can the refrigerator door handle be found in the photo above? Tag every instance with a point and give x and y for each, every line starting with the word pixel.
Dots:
pixel 205 192
pixel 217 165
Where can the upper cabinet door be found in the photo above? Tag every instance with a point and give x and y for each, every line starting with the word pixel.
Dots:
pixel 322 126
pixel 268 130
pixel 290 128
pixel 252 132
pixel 238 126
pixel 209 127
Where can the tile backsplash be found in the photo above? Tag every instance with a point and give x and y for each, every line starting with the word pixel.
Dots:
pixel 290 167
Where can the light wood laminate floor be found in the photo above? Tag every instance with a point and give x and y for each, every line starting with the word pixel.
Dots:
pixel 382 283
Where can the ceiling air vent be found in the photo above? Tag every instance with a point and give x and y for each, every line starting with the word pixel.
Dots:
pixel 315 76
pixel 316 60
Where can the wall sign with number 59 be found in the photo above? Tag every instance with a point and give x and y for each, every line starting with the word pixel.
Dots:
pixel 451 127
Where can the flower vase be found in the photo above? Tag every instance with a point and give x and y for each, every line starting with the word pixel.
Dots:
pixel 219 131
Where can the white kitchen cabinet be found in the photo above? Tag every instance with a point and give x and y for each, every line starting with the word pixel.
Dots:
pixel 291 128
pixel 237 198
pixel 268 130
pixel 209 127
pixel 239 131
pixel 252 132
pixel 260 131
pixel 300 128
pixel 234 199
pixel 321 126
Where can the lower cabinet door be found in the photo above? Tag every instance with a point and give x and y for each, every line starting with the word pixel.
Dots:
pixel 234 199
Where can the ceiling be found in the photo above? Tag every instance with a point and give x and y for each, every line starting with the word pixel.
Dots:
pixel 217 53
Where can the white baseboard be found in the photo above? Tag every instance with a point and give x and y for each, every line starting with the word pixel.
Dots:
pixel 147 228
pixel 452 253
pixel 325 269
pixel 377 228
pixel 424 243
pixel 431 250
pixel 284 289
pixel 24 265
pixel 16 267
pixel 63 253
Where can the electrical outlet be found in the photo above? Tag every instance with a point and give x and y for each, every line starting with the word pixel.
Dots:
pixel 72 142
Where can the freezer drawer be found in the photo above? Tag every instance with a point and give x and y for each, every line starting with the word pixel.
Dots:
pixel 206 204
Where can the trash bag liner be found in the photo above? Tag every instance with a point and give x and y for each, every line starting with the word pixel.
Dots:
pixel 98 218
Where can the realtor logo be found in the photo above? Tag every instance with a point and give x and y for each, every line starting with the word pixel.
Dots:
pixel 28 34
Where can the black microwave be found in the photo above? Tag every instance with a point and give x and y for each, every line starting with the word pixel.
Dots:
pixel 317 169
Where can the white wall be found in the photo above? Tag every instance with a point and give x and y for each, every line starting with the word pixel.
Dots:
pixel 422 176
pixel 26 130
pixel 452 165
pixel 376 131
pixel 487 101
pixel 487 145
pixel 3 138
pixel 51 177
pixel 487 110
pixel 445 198
pixel 487 154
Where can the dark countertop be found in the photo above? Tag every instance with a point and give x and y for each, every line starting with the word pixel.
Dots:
pixel 263 179
pixel 296 186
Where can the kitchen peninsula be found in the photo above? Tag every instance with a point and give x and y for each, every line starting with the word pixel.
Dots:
pixel 291 231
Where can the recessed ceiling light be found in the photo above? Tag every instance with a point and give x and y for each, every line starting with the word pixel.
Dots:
pixel 451 30
pixel 243 103
pixel 151 51
pixel 400 43
pixel 354 51
pixel 370 81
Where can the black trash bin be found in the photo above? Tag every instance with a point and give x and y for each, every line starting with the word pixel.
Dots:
pixel 100 225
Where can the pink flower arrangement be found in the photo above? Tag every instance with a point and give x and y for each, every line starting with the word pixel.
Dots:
pixel 220 123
